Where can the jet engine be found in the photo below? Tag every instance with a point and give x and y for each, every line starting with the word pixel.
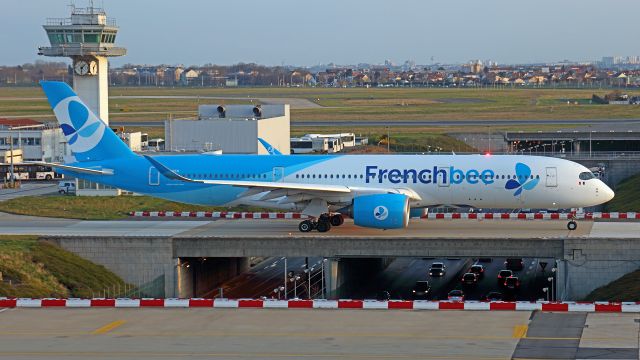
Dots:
pixel 381 211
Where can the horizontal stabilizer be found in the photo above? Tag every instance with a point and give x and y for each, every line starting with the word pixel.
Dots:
pixel 73 168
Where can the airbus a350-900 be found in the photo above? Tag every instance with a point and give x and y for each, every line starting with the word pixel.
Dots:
pixel 377 191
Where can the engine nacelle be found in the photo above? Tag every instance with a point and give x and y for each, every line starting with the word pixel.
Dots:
pixel 222 112
pixel 381 211
pixel 257 111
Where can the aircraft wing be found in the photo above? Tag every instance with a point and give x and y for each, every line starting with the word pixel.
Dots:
pixel 73 168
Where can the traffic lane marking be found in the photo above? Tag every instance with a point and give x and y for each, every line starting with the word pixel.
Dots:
pixel 520 331
pixel 110 326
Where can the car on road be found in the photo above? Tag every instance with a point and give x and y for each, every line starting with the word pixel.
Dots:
pixel 455 295
pixel 66 187
pixel 469 278
pixel 494 296
pixel 515 264
pixel 421 290
pixel 512 283
pixel 503 274
pixel 477 269
pixel 437 269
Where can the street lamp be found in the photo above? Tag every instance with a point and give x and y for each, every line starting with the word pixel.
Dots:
pixel 294 280
pixel 546 291
pixel 308 272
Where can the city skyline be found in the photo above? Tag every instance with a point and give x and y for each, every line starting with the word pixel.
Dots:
pixel 197 32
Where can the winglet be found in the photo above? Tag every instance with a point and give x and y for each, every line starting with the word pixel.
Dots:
pixel 168 173
pixel 270 149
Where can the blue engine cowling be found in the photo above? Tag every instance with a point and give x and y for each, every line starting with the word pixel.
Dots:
pixel 381 211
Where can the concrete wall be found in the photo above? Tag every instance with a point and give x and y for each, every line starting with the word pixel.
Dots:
pixel 588 264
pixel 136 260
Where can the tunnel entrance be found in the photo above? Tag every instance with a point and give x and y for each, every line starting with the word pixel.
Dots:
pixel 203 277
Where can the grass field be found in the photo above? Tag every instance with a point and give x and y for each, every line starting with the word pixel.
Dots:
pixel 31 268
pixel 626 288
pixel 351 103
pixel 92 208
pixel 627 196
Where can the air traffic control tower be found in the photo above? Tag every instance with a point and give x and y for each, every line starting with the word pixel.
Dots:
pixel 88 38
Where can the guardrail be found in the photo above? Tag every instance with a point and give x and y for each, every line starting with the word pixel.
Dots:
pixel 565 306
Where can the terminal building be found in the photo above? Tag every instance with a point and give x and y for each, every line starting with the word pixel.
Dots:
pixel 231 129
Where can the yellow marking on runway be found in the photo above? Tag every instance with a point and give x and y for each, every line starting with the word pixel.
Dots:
pixel 108 327
pixel 520 331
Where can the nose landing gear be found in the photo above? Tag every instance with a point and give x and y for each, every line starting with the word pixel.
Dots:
pixel 572 225
pixel 322 224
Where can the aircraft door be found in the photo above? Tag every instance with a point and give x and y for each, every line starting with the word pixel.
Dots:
pixel 552 177
pixel 278 174
pixel 154 176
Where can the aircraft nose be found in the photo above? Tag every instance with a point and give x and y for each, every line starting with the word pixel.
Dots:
pixel 607 193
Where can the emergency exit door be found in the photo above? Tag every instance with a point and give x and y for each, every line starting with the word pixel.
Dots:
pixel 552 177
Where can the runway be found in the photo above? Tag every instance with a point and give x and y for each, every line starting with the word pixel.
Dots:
pixel 499 229
pixel 322 334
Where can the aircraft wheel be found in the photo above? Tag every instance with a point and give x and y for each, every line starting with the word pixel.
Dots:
pixel 305 226
pixel 572 225
pixel 336 220
pixel 323 226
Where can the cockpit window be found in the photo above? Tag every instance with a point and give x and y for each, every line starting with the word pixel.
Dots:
pixel 587 175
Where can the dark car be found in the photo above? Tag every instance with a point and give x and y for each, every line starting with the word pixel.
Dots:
pixel 515 264
pixel 437 269
pixel 456 295
pixel 421 290
pixel 477 269
pixel 503 274
pixel 469 278
pixel 494 296
pixel 512 282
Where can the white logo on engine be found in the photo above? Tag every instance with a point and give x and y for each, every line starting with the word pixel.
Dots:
pixel 380 212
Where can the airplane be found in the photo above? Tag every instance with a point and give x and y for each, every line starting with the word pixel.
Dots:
pixel 376 191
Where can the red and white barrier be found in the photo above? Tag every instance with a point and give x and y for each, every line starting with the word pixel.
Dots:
pixel 326 304
pixel 533 216
pixel 429 216
pixel 219 214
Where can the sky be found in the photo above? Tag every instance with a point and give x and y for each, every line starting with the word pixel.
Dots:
pixel 299 32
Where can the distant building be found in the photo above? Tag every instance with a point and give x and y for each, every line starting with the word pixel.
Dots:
pixel 232 129
pixel 38 141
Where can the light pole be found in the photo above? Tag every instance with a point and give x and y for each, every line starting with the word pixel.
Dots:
pixel 546 292
pixel 308 272
pixel 294 280
pixel 285 277
pixel 388 140
pixel 552 280
pixel 322 277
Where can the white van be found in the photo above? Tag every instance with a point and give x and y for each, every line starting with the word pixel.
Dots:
pixel 66 187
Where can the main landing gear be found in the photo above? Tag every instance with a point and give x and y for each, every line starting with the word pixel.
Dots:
pixel 322 224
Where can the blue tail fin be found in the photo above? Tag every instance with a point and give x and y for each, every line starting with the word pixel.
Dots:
pixel 270 149
pixel 88 137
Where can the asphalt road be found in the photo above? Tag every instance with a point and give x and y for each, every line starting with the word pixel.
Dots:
pixel 197 333
pixel 423 123
pixel 399 278
pixel 30 189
